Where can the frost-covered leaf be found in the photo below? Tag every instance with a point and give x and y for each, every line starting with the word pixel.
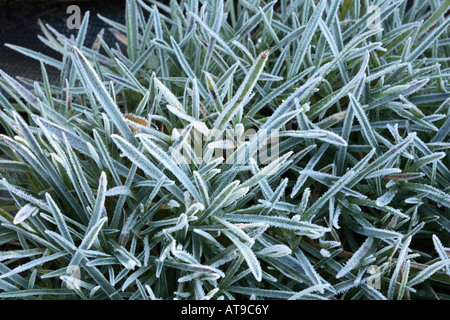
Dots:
pixel 25 212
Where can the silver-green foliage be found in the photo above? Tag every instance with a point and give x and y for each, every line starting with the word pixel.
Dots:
pixel 105 201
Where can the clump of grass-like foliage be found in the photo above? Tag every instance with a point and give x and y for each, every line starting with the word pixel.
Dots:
pixel 106 201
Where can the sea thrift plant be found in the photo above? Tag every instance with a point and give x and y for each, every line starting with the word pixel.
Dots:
pixel 233 150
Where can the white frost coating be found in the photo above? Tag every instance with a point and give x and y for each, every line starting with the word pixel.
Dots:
pixel 278 250
pixel 356 258
pixel 325 253
pixel 24 213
